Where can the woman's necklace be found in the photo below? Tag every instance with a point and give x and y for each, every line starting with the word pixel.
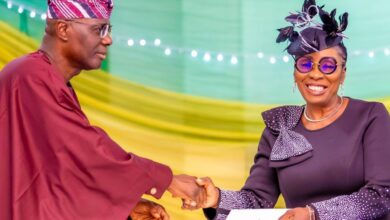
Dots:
pixel 326 117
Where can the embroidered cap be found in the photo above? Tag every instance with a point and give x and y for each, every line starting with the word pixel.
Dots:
pixel 74 9
pixel 308 34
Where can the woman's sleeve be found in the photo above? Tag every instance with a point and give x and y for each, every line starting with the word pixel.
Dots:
pixel 261 189
pixel 373 200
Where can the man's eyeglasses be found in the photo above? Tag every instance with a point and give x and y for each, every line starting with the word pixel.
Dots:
pixel 103 29
pixel 327 65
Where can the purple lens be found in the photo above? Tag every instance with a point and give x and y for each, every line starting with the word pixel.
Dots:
pixel 328 65
pixel 304 64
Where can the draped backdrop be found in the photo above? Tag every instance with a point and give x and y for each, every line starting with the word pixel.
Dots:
pixel 185 81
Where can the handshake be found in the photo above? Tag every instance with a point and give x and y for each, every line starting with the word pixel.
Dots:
pixel 195 193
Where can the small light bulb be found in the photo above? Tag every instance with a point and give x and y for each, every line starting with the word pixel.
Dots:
pixel 32 14
pixel 9 5
pixel 157 42
pixel 130 42
pixel 387 52
pixel 234 60
pixel 285 59
pixel 142 42
pixel 20 10
pixel 207 57
pixel 272 60
pixel 167 51
pixel 371 54
pixel 43 16
pixel 220 57
pixel 194 53
pixel 260 55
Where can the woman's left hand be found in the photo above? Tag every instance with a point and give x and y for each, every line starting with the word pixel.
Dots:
pixel 148 210
pixel 301 213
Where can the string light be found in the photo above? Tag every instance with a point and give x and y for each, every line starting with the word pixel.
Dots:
pixel 142 42
pixel 43 16
pixel 32 14
pixel 207 57
pixel 20 9
pixel 157 42
pixel 130 42
pixel 220 57
pixel 167 51
pixel 387 52
pixel 194 53
pixel 234 60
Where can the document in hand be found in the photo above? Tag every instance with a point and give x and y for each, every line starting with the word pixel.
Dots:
pixel 256 214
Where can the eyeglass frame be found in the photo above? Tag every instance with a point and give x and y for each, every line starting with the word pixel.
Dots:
pixel 318 64
pixel 104 29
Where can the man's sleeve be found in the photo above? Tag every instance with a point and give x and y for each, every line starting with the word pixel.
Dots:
pixel 84 174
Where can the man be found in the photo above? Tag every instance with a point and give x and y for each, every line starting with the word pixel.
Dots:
pixel 53 163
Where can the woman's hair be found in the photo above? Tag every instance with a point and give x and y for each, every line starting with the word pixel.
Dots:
pixel 344 52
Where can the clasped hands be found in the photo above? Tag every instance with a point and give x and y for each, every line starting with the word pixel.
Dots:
pixel 197 193
pixel 202 193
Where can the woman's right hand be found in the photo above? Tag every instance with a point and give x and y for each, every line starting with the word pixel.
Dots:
pixel 212 195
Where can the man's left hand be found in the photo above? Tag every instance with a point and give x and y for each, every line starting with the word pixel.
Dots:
pixel 148 210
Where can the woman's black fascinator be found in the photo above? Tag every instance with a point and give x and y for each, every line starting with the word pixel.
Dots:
pixel 308 35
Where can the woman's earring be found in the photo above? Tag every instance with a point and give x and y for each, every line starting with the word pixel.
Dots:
pixel 341 89
pixel 294 87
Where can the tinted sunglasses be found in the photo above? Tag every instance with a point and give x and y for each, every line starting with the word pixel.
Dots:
pixel 327 65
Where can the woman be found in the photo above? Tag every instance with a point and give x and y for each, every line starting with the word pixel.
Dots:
pixel 329 158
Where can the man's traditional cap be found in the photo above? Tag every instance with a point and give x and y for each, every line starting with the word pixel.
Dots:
pixel 74 9
pixel 306 35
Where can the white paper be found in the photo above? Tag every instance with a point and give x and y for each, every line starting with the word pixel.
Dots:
pixel 256 214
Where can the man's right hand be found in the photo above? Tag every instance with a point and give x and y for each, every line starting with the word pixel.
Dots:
pixel 212 195
pixel 186 188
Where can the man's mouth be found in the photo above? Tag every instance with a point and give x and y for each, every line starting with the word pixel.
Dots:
pixel 101 55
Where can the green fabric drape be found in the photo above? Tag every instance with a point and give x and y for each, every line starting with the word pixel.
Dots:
pixel 242 28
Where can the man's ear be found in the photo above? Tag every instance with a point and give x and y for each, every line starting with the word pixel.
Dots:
pixel 62 30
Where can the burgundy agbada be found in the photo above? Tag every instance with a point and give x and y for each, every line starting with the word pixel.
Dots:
pixel 53 163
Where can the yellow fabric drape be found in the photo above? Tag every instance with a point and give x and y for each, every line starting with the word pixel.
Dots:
pixel 197 136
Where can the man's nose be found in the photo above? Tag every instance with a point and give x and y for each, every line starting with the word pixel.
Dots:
pixel 107 40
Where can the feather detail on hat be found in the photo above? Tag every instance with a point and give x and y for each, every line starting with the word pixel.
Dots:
pixel 308 34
